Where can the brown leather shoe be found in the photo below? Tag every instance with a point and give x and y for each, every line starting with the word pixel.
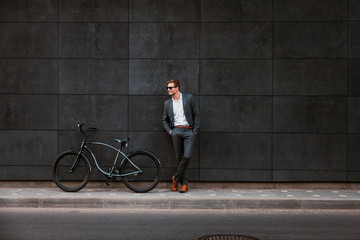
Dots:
pixel 184 189
pixel 174 186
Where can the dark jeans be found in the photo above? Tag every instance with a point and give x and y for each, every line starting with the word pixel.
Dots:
pixel 184 142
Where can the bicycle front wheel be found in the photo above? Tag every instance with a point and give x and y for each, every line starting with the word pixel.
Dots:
pixel 71 180
pixel 142 172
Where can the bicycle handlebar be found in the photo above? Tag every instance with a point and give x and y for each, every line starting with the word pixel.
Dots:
pixel 80 128
pixel 80 125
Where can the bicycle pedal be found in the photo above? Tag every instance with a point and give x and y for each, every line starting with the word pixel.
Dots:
pixel 107 183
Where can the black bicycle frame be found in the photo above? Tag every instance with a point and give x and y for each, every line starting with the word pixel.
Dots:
pixel 110 173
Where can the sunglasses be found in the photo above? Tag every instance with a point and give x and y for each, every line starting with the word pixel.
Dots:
pixel 170 87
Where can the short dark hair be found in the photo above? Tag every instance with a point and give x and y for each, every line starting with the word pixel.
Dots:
pixel 174 81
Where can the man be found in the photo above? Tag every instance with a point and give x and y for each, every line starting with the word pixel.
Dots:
pixel 181 119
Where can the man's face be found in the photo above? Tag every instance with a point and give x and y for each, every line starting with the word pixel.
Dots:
pixel 171 89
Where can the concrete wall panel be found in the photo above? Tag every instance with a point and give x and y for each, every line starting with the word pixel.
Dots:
pixel 29 40
pixel 28 112
pixel 25 173
pixel 230 175
pixel 93 40
pixel 164 11
pixel 309 152
pixel 354 40
pixel 353 176
pixel 305 176
pixel 13 11
pixel 310 77
pixel 104 112
pixel 354 10
pixel 235 11
pixel 93 76
pixel 93 11
pixel 164 40
pixel 235 150
pixel 221 40
pixel 29 11
pixel 354 114
pixel 354 77
pixel 235 114
pixel 236 77
pixel 27 148
pixel 310 10
pixel 353 152
pixel 310 114
pixel 310 40
pixel 29 76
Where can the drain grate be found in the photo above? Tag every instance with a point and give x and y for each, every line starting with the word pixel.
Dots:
pixel 227 237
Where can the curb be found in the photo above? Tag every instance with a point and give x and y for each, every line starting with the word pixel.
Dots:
pixel 229 204
pixel 196 199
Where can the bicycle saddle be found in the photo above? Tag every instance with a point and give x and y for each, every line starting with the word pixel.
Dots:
pixel 123 142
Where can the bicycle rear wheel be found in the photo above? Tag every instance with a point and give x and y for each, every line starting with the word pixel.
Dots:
pixel 149 175
pixel 67 180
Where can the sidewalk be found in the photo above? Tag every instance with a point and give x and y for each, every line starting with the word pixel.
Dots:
pixel 163 198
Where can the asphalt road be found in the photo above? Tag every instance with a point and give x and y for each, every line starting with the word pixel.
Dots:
pixel 25 223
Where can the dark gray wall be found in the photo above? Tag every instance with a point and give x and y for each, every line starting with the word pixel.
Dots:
pixel 278 83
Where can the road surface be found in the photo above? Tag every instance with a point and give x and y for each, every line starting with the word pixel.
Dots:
pixel 52 224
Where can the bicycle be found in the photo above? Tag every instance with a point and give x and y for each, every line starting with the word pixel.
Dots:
pixel 140 170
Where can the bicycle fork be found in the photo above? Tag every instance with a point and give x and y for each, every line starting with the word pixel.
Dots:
pixel 76 163
pixel 77 160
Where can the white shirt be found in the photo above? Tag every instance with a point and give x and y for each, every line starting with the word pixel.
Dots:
pixel 179 115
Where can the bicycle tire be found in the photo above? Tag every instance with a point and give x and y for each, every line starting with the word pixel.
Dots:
pixel 70 181
pixel 151 171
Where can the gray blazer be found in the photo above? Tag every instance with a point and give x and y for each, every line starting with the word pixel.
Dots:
pixel 191 110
